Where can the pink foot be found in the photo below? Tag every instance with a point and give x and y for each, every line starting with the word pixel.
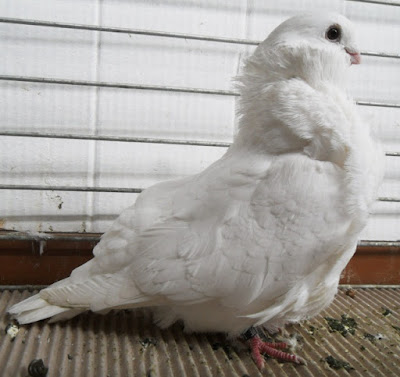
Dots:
pixel 258 347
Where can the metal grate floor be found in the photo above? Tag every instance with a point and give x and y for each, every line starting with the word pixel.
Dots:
pixel 126 343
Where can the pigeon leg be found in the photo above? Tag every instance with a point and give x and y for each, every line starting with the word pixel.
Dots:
pixel 258 347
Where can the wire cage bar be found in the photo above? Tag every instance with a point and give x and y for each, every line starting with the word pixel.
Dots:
pixel 135 190
pixel 95 237
pixel 163 88
pixel 377 2
pixel 153 33
pixel 201 143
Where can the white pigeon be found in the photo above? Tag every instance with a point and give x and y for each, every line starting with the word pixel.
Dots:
pixel 261 236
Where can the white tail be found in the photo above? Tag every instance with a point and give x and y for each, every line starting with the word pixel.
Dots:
pixel 35 309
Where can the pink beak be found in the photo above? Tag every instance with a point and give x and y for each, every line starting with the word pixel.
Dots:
pixel 355 57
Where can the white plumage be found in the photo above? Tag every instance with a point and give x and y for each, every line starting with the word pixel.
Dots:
pixel 262 235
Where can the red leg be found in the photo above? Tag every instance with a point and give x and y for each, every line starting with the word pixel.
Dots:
pixel 258 347
pixel 256 352
pixel 277 345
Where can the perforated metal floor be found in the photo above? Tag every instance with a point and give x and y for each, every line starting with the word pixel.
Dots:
pixel 127 344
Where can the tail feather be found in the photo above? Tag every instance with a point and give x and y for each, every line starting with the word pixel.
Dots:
pixel 97 293
pixel 33 302
pixel 83 295
pixel 64 316
pixel 34 309
pixel 65 299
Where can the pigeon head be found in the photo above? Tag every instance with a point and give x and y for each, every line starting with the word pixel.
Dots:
pixel 328 33
pixel 314 47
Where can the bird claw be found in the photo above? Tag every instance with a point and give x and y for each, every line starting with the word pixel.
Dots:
pixel 299 360
pixel 258 347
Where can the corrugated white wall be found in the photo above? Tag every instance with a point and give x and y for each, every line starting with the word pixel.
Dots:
pixel 99 56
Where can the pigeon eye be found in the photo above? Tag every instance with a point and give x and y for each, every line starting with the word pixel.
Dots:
pixel 334 33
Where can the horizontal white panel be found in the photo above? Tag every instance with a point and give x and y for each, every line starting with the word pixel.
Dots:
pixel 376 25
pixel 171 115
pixel 55 52
pixel 223 18
pixel 43 211
pixel 45 161
pixel 60 10
pixel 376 79
pixel 167 61
pixel 40 107
pixel 383 226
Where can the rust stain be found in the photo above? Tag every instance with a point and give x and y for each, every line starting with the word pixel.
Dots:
pixel 369 265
